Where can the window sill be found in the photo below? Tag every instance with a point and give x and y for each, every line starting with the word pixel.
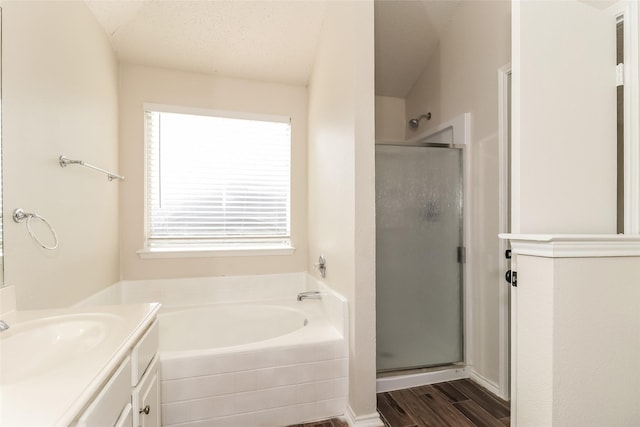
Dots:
pixel 209 252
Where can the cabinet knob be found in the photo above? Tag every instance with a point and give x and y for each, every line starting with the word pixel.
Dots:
pixel 146 410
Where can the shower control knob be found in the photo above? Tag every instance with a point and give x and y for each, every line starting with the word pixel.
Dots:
pixel 145 410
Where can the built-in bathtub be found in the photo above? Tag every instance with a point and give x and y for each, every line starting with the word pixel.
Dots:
pixel 242 351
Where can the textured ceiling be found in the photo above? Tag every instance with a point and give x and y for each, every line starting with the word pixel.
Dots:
pixel 266 40
pixel 261 40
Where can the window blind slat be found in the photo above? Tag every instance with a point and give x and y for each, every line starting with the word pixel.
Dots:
pixel 215 179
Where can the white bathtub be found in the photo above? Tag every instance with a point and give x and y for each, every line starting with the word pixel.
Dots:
pixel 243 351
pixel 216 326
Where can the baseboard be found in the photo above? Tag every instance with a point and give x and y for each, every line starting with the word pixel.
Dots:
pixel 401 382
pixel 369 420
pixel 484 383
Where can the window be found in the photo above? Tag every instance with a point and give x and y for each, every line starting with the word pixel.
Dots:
pixel 216 181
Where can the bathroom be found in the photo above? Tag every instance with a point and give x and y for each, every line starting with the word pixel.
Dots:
pixel 65 94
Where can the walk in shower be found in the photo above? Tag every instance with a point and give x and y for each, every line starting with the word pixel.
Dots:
pixel 420 253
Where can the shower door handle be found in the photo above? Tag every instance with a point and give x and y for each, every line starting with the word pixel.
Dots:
pixel 507 276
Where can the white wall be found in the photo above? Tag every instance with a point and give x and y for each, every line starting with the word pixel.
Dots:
pixel 564 121
pixel 391 120
pixel 341 182
pixel 462 76
pixel 59 88
pixel 139 85
pixel 577 340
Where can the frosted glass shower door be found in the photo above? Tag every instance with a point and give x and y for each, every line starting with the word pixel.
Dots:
pixel 418 273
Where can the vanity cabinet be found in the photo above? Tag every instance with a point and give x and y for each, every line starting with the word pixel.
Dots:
pixel 574 323
pixel 131 396
pixel 107 407
pixel 145 396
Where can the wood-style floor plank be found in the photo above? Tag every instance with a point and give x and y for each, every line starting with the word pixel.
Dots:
pixel 459 403
pixel 450 392
pixel 394 414
pixel 506 421
pixel 334 422
pixel 441 406
pixel 496 407
pixel 477 414
pixel 420 410
pixel 454 403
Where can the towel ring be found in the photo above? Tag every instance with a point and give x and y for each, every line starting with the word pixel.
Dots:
pixel 20 215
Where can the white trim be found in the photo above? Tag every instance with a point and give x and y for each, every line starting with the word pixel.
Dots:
pixel 401 382
pixel 503 227
pixel 369 420
pixel 574 245
pixel 485 383
pixel 467 200
pixel 210 252
pixel 629 10
pixel 515 116
pixel 513 343
pixel 462 139
pixel 460 126
pixel 228 114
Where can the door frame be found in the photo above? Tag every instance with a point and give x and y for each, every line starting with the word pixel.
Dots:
pixel 504 200
pixel 629 11
pixel 461 127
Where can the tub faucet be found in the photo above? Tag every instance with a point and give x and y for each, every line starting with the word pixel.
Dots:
pixel 3 326
pixel 309 295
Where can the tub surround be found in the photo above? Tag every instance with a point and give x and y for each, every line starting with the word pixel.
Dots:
pixel 297 377
pixel 57 396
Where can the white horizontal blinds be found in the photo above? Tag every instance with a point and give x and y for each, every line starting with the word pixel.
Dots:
pixel 217 179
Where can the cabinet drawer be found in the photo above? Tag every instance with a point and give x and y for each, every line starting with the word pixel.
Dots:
pixel 144 351
pixel 107 407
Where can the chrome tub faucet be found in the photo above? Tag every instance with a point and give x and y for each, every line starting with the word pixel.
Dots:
pixel 309 295
pixel 3 326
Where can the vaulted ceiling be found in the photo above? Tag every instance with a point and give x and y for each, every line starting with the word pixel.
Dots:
pixel 406 35
pixel 266 40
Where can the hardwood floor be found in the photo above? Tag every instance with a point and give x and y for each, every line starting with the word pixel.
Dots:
pixel 456 403
pixel 334 422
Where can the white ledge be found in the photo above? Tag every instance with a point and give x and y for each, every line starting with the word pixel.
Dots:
pixel 574 245
pixel 206 252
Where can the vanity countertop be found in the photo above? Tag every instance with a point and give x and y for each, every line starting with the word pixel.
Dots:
pixel 32 395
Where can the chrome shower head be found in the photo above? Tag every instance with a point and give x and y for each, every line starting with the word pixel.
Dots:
pixel 414 123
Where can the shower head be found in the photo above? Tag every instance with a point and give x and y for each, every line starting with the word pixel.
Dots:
pixel 414 123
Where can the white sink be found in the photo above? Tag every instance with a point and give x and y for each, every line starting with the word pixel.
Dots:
pixel 34 348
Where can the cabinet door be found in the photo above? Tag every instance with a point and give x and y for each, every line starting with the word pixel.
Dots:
pixel 146 398
pixel 126 418
pixel 108 405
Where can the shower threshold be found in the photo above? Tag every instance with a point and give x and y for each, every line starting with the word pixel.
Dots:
pixel 398 380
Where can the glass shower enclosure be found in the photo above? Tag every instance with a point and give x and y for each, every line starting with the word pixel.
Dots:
pixel 419 256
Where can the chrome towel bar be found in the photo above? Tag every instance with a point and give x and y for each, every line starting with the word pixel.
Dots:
pixel 64 161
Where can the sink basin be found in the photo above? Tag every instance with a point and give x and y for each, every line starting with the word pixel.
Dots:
pixel 36 347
